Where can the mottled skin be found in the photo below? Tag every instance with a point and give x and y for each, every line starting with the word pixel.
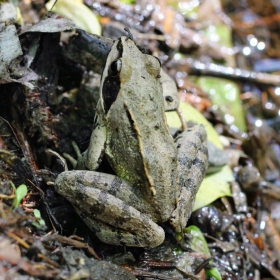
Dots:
pixel 157 178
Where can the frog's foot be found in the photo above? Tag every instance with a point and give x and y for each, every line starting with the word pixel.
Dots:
pixel 193 162
pixel 72 160
pixel 111 235
pixel 80 162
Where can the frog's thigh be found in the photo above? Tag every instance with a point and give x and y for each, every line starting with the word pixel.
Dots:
pixel 110 210
pixel 108 183
pixel 193 162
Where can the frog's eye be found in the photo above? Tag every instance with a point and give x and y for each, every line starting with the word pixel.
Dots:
pixel 115 67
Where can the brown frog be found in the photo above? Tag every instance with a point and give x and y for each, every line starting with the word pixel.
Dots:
pixel 156 177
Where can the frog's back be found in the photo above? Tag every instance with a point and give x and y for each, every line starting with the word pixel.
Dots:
pixel 139 145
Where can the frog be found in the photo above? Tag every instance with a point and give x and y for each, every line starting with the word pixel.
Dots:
pixel 156 177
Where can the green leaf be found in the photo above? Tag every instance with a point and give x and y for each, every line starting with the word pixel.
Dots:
pixel 20 20
pixel 225 95
pixel 79 13
pixel 191 114
pixel 37 215
pixel 13 186
pixel 129 2
pixel 198 242
pixel 20 193
pixel 187 8
pixel 220 33
pixel 213 187
pixel 213 273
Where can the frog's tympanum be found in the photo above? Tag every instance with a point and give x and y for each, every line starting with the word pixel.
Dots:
pixel 156 177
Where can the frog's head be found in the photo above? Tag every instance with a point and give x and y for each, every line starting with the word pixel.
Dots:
pixel 124 64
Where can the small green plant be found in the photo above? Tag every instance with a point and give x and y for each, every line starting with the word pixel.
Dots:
pixel 20 193
pixel 199 244
pixel 40 221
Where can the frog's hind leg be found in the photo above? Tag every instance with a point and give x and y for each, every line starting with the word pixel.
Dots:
pixel 192 162
pixel 106 198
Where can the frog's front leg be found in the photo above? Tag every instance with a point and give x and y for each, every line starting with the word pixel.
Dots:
pixel 107 199
pixel 92 157
pixel 192 162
